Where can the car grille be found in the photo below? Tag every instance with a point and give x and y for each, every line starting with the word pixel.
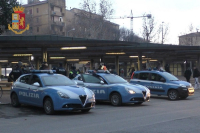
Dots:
pixel 83 98
pixel 139 99
pixel 74 106
pixel 144 93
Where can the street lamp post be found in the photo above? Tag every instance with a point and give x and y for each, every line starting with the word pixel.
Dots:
pixel 69 31
pixel 162 32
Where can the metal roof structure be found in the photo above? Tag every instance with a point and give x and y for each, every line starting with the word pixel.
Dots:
pixel 95 49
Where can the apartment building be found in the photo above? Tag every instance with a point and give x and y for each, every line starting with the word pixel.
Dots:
pixel 192 39
pixel 50 17
pixel 45 17
pixel 90 25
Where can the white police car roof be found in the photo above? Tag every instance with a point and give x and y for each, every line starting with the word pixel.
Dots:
pixel 43 71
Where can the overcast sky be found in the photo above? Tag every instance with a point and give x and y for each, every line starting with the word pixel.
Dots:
pixel 178 14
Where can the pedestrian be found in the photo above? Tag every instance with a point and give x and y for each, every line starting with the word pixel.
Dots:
pixel 44 66
pixel 61 70
pixel 167 68
pixel 187 74
pixel 15 73
pixel 195 76
pixel 73 73
pixel 132 71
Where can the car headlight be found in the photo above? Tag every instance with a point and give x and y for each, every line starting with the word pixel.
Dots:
pixel 130 91
pixel 62 95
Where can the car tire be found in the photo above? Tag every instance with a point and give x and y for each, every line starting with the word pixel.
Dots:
pixel 14 100
pixel 85 110
pixel 48 106
pixel 173 95
pixel 116 99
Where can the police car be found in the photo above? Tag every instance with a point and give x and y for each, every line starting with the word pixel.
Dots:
pixel 113 88
pixel 53 92
pixel 163 83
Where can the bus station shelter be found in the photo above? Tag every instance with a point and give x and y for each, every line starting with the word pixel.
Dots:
pixel 69 50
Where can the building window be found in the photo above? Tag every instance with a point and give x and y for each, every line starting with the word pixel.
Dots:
pixel 37 10
pixel 37 29
pixel 30 11
pixel 37 20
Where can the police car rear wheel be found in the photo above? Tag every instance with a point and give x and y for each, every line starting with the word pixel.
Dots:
pixel 173 95
pixel 48 106
pixel 14 100
pixel 116 99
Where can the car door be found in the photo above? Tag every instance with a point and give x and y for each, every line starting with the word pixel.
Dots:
pixel 96 85
pixel 22 89
pixel 36 92
pixel 157 84
pixel 143 79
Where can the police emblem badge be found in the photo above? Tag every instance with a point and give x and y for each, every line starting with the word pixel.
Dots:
pixel 18 21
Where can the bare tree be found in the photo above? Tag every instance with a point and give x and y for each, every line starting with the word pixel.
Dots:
pixel 89 24
pixel 126 35
pixel 148 28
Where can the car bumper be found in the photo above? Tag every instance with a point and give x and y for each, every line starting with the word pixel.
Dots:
pixel 73 104
pixel 186 92
pixel 138 98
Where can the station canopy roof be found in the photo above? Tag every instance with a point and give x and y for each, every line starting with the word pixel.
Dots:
pixel 12 48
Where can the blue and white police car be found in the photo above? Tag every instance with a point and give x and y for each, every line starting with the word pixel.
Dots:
pixel 113 88
pixel 163 83
pixel 53 92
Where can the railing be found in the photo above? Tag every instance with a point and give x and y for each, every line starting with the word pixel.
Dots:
pixel 56 13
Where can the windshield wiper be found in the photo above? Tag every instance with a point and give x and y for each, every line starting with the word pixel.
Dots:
pixel 174 80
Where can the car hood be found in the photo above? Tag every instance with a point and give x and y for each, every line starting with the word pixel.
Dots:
pixel 180 83
pixel 73 91
pixel 134 87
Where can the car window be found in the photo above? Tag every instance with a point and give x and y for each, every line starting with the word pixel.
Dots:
pixel 144 76
pixel 160 78
pixel 91 79
pixel 57 80
pixel 153 76
pixel 114 79
pixel 135 76
pixel 25 79
pixel 35 79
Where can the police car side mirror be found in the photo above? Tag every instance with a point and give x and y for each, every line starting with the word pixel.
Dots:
pixel 36 84
pixel 101 82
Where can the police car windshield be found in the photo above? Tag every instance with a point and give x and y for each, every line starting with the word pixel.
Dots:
pixel 170 77
pixel 57 80
pixel 114 79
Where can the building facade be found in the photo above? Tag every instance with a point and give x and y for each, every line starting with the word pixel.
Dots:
pixel 192 39
pixel 45 17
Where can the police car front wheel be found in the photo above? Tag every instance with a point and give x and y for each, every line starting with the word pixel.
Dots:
pixel 173 95
pixel 48 106
pixel 116 99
